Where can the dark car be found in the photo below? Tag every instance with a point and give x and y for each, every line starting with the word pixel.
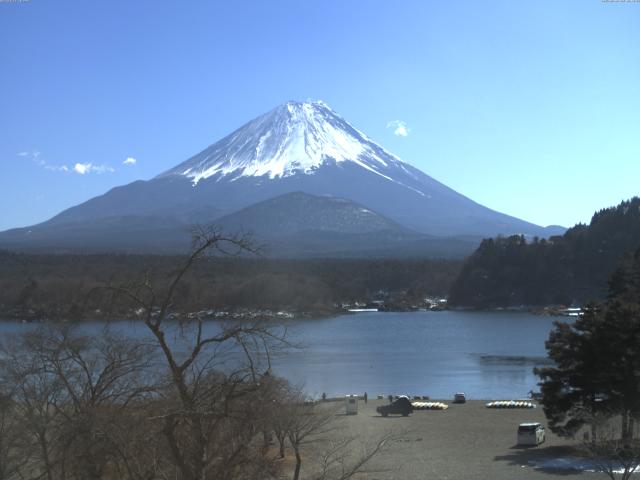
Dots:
pixel 459 397
pixel 401 406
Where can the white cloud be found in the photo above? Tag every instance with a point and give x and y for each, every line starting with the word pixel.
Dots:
pixel 130 161
pixel 85 168
pixel 400 128
pixel 79 168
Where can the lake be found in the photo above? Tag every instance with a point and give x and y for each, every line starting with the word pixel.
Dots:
pixel 487 355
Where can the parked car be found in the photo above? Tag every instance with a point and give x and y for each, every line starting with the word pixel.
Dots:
pixel 400 406
pixel 352 404
pixel 530 434
pixel 459 398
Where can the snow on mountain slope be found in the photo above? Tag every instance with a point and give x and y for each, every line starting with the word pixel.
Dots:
pixel 247 179
pixel 294 138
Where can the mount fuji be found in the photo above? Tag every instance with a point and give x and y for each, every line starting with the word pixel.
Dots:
pixel 299 147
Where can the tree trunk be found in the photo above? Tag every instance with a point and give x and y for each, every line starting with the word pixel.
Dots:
pixel 624 418
pixel 296 473
pixel 44 448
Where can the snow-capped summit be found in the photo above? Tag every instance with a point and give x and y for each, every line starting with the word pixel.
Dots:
pixel 293 138
pixel 280 175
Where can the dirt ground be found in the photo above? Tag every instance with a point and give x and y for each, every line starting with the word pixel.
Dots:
pixel 467 441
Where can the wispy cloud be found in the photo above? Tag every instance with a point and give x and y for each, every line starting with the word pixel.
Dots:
pixel 130 161
pixel 56 168
pixel 36 157
pixel 400 128
pixel 86 168
pixel 79 168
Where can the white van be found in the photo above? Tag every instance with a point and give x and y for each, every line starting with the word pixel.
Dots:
pixel 531 434
pixel 352 404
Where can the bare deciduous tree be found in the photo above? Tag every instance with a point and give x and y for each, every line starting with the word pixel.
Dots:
pixel 214 373
pixel 12 439
pixel 70 391
pixel 192 401
pixel 344 458
pixel 615 455
pixel 314 428
pixel 307 422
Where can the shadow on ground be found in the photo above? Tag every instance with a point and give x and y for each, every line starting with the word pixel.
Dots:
pixel 388 416
pixel 529 456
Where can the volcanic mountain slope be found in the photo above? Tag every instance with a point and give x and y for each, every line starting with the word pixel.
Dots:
pixel 303 225
pixel 297 147
pixel 290 225
pixel 300 212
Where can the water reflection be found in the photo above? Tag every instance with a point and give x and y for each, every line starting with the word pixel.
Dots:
pixel 487 355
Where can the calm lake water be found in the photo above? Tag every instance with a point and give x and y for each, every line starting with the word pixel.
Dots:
pixel 488 355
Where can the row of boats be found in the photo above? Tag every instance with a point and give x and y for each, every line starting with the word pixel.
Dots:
pixel 429 406
pixel 510 404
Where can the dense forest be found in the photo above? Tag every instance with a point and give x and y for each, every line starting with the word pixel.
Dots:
pixel 68 286
pixel 572 268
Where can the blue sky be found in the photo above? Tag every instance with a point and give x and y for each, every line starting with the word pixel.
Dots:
pixel 530 108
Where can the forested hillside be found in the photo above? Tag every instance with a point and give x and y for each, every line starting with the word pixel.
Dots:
pixel 50 286
pixel 565 269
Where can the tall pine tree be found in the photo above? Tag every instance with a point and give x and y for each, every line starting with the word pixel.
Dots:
pixel 597 361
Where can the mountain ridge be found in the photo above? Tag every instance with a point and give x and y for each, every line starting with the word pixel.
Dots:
pixel 296 147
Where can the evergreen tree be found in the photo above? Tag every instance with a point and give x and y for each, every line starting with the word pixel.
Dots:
pixel 597 361
pixel 570 268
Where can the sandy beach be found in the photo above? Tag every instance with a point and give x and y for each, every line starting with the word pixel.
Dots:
pixel 466 441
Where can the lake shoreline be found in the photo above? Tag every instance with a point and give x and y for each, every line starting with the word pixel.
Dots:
pixel 57 315
pixel 208 315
